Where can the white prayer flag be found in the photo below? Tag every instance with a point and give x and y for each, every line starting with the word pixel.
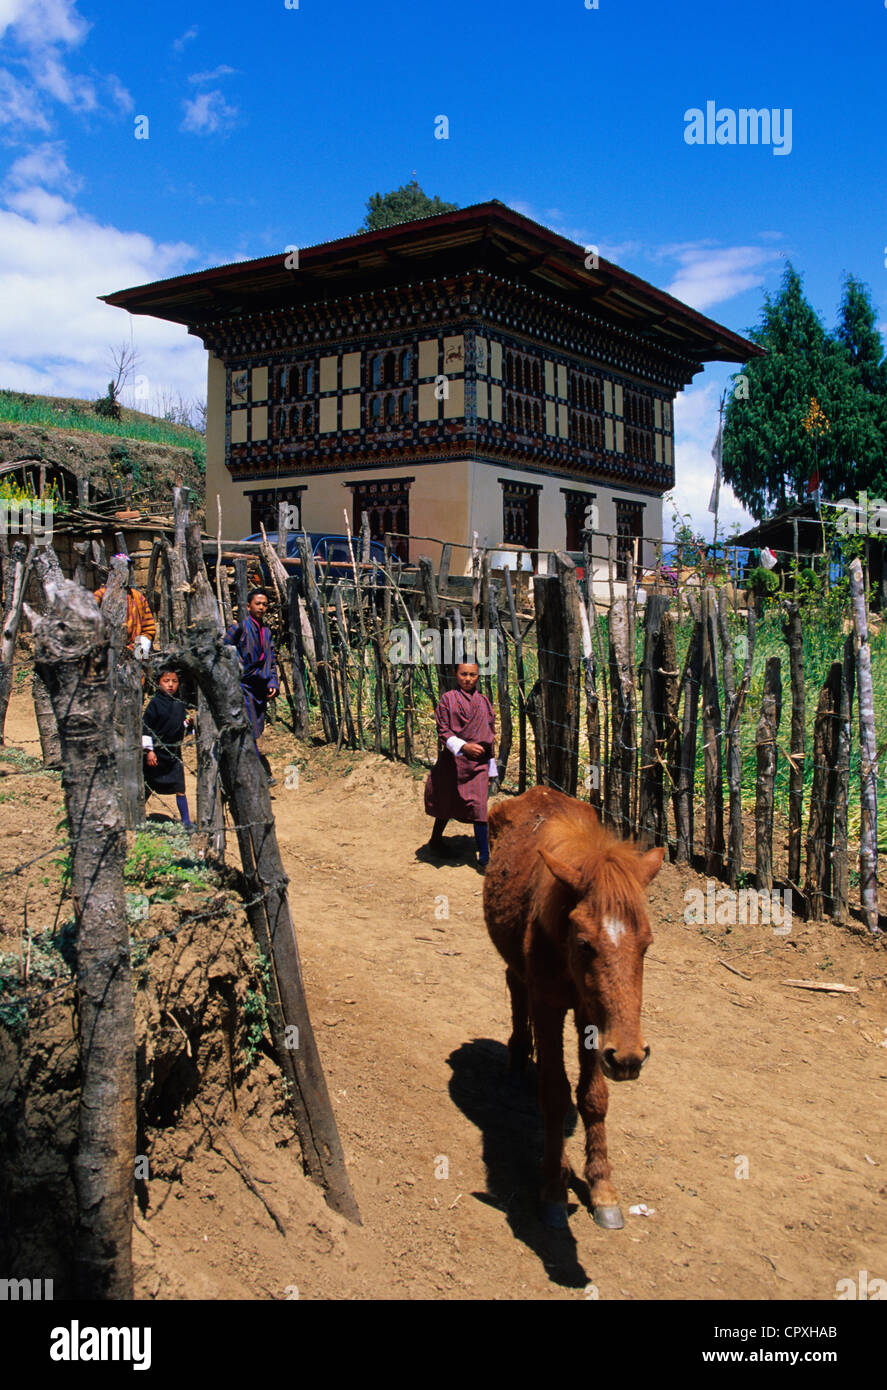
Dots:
pixel 716 453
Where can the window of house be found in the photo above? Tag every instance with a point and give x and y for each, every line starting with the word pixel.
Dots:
pixel 576 504
pixel 629 529
pixel 386 502
pixel 264 507
pixel 520 514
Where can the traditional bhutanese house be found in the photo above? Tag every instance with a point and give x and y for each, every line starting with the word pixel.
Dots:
pixel 468 372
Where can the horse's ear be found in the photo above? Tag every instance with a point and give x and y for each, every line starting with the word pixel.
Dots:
pixel 565 873
pixel 649 865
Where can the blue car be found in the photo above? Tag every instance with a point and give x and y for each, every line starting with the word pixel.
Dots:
pixel 332 557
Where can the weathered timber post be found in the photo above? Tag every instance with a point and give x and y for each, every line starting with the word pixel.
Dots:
pixel 840 889
pixel 768 727
pixel 301 716
pixel 482 618
pixel 126 692
pixel 671 675
pixel 537 724
pixel 163 613
pixel 241 587
pixel 651 804
pixel 210 810
pixel 73 657
pixel 795 639
pixel 620 774
pixel 179 587
pixel 588 618
pixel 323 673
pixel 868 757
pixel 432 608
pixel 49 576
pixel 711 738
pixel 17 582
pixel 344 652
pixel 691 680
pixel 520 679
pixel 820 827
pixel 151 581
pixel 215 667
pixel 361 623
pixel 560 649
pixel 733 703
pixel 503 695
pixel 631 617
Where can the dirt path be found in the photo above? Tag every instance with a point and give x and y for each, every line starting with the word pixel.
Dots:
pixel 410 1009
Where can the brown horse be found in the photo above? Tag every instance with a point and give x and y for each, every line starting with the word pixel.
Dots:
pixel 564 904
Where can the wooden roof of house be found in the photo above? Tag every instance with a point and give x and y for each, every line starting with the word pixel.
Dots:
pixel 486 236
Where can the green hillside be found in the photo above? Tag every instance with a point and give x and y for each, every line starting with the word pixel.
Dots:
pixel 68 431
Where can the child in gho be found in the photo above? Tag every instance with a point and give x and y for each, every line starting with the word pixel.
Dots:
pixel 164 725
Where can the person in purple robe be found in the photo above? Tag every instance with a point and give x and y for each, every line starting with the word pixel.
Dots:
pixel 259 668
pixel 458 785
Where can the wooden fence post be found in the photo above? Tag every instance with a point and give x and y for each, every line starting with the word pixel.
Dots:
pixel 795 639
pixel 868 757
pixel 768 727
pixel 215 667
pixel 651 804
pixel 820 827
pixel 16 578
pixel 503 694
pixel 49 576
pixel 73 658
pixel 672 731
pixel 560 649
pixel 317 618
pixel 711 738
pixel 521 686
pixel 620 774
pixel 126 689
pixel 840 888
pixel 733 705
pixel 241 587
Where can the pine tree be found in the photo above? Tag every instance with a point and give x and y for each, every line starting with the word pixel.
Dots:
pixel 405 204
pixel 783 432
pixel 861 430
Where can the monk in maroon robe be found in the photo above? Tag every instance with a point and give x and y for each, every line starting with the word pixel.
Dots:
pixel 457 785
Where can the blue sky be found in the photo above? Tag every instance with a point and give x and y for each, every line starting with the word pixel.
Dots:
pixel 271 126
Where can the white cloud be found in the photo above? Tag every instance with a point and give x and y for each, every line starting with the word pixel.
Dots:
pixel 207 114
pixel 52 77
pixel 19 106
pixel 37 32
pixel 221 71
pixel 54 262
pixel 189 34
pixel 41 22
pixel 46 165
pixel 696 427
pixel 119 94
pixel 711 274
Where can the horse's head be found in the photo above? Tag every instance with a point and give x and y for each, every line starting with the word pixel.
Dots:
pixel 607 934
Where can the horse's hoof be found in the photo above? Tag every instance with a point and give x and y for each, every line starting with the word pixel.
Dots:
pixel 610 1218
pixel 554 1215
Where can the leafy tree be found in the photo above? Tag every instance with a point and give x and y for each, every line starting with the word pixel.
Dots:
pixel 404 204
pixel 816 404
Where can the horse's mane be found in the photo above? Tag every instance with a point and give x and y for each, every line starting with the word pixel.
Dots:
pixel 574 835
